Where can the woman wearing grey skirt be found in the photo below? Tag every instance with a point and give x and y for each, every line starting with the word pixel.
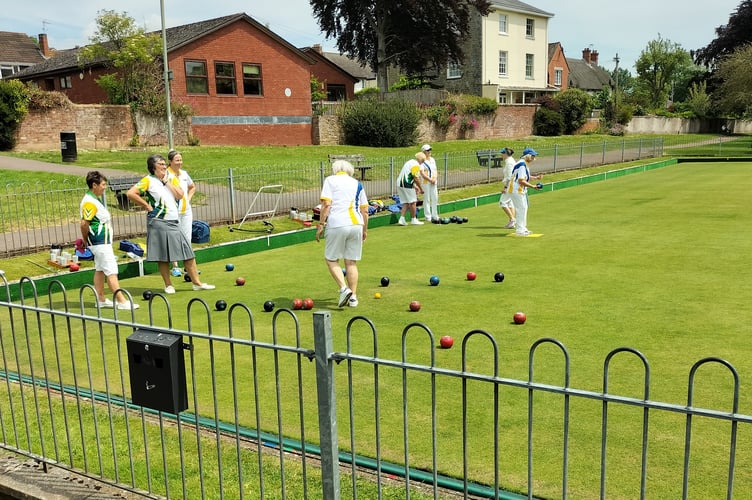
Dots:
pixel 165 242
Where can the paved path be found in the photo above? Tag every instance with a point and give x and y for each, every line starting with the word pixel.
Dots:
pixel 11 163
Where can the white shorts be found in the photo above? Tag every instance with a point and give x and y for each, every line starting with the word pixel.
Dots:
pixel 407 195
pixel 345 242
pixel 506 200
pixel 104 259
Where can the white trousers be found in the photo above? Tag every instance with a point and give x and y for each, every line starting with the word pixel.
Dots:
pixel 430 200
pixel 520 209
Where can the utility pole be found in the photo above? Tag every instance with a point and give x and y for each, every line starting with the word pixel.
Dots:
pixel 166 77
pixel 616 80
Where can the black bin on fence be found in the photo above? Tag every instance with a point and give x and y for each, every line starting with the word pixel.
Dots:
pixel 68 146
pixel 157 370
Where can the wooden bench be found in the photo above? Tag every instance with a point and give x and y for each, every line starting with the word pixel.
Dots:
pixel 486 155
pixel 119 186
pixel 356 161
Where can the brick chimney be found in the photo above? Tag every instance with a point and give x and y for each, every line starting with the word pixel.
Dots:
pixel 594 57
pixel 317 48
pixel 586 55
pixel 44 46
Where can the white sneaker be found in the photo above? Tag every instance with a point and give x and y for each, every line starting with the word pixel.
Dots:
pixel 106 303
pixel 127 305
pixel 344 296
pixel 169 290
pixel 510 224
pixel 353 302
pixel 416 222
pixel 402 222
pixel 203 286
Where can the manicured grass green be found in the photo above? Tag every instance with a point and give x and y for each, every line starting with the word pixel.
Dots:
pixel 655 261
pixel 204 161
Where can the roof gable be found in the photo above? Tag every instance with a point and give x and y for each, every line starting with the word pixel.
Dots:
pixel 177 37
pixel 322 58
pixel 19 48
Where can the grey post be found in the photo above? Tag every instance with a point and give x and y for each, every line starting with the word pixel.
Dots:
pixel 322 342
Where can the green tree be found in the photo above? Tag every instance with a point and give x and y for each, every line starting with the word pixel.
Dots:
pixel 419 35
pixel 658 66
pixel 575 106
pixel 698 100
pixel 134 55
pixel 734 95
pixel 729 37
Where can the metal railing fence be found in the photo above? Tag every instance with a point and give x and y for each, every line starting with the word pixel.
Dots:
pixel 35 216
pixel 275 412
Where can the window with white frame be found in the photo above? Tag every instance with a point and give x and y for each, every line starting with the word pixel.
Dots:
pixel 454 70
pixel 530 28
pixel 529 65
pixel 502 98
pixel 503 57
pixel 558 72
pixel 503 24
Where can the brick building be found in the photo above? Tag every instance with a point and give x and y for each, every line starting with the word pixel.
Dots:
pixel 245 84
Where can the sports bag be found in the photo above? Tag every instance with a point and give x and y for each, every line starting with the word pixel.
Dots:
pixel 200 232
pixel 128 246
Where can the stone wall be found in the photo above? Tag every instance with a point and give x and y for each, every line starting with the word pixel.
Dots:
pixel 96 127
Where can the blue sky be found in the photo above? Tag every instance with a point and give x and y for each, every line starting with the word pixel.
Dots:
pixel 608 26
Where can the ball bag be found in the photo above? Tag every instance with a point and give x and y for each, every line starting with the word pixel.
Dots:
pixel 200 232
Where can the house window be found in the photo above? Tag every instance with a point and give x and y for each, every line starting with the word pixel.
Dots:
pixel 558 72
pixel 65 82
pixel 530 28
pixel 503 24
pixel 252 84
pixel 454 70
pixel 503 98
pixel 224 76
pixel 503 54
pixel 196 78
pixel 335 92
pixel 6 71
pixel 529 64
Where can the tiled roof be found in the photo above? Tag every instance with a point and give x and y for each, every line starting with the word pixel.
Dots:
pixel 176 37
pixel 516 6
pixel 351 66
pixel 586 76
pixel 19 48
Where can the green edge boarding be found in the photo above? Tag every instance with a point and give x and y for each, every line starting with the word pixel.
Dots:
pixel 131 269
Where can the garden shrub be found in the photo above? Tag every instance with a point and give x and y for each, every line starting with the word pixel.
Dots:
pixel 460 108
pixel 547 122
pixel 14 105
pixel 576 105
pixel 375 123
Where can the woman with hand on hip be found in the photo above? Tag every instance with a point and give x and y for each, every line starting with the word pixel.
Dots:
pixel 165 242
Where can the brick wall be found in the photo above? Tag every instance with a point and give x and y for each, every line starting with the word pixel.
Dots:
pixel 96 127
pixel 286 89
